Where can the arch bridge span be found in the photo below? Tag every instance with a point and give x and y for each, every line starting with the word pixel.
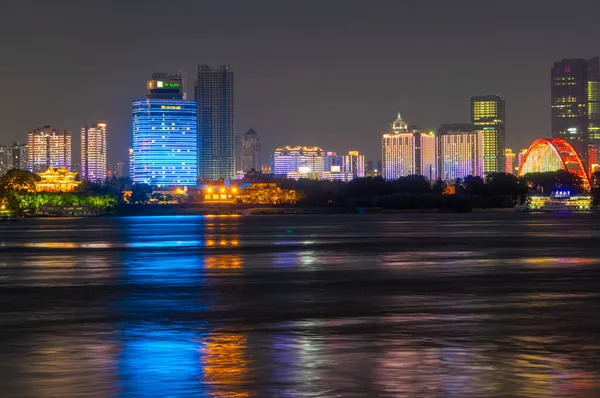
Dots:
pixel 552 154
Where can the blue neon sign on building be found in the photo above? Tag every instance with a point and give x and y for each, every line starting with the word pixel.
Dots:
pixel 165 142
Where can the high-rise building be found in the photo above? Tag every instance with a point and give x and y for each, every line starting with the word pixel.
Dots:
pixel 48 147
pixel 6 159
pixel 214 94
pixel 19 156
pixel 509 159
pixel 488 115
pixel 354 164
pixel 298 159
pixel 407 152
pixel 460 151
pixel 569 100
pixel 165 141
pixel 250 152
pixel 575 103
pixel 93 153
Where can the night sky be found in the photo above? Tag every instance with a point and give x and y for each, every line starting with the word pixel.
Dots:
pixel 329 73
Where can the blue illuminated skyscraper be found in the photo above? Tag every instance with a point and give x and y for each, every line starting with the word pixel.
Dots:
pixel 165 139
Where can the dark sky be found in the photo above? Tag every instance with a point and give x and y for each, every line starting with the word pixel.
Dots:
pixel 326 72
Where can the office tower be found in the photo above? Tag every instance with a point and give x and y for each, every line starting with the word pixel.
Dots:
pixel 214 94
pixel 569 100
pixel 460 151
pixel 406 152
pixel 354 164
pixel 331 160
pixel 48 147
pixel 6 158
pixel 298 159
pixel 509 160
pixel 488 115
pixel 521 158
pixel 19 156
pixel 93 153
pixel 165 141
pixel 250 152
pixel 575 103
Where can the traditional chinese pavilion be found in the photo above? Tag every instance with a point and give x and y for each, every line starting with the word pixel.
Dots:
pixel 57 180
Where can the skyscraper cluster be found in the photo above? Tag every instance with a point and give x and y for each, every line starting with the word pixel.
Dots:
pixel 177 141
pixel 49 147
pixel 456 151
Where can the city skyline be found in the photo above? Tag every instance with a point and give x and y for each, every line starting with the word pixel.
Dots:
pixel 288 83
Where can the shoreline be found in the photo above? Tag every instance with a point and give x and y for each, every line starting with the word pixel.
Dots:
pixel 167 210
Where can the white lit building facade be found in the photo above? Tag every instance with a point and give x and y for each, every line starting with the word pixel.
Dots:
pixel 407 152
pixel 48 147
pixel 461 154
pixel 354 164
pixel 298 159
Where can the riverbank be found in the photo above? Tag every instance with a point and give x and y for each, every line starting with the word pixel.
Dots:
pixel 184 210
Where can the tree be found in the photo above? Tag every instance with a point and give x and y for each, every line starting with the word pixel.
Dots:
pixel 439 187
pixel 505 184
pixel 474 185
pixel 18 181
pixel 140 193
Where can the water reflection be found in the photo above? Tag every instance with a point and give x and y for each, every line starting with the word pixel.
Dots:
pixel 157 360
pixel 348 307
pixel 225 364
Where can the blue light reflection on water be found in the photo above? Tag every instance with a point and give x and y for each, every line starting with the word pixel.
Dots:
pixel 159 361
pixel 157 357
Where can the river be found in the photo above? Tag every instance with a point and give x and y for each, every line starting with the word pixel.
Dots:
pixel 415 305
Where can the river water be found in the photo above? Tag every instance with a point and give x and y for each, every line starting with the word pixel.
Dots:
pixel 448 305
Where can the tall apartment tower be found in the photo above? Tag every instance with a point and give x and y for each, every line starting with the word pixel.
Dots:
pixel 488 116
pixel 250 159
pixel 48 147
pixel 460 151
pixel 575 102
pixel 214 94
pixel 93 153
